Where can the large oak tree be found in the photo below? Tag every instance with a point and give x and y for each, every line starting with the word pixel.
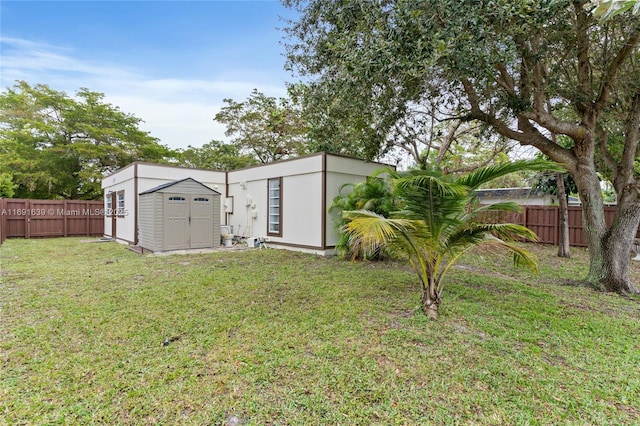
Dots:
pixel 516 66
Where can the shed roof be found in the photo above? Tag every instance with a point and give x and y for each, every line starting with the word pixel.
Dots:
pixel 175 182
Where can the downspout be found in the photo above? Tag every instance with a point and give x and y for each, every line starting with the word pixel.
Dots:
pixel 226 195
pixel 323 239
pixel 135 203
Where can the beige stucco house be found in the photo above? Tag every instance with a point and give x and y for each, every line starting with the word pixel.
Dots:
pixel 285 203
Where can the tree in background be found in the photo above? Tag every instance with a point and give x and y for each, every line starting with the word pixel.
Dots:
pixel 341 124
pixel 560 185
pixel 337 124
pixel 7 187
pixel 215 155
pixel 454 146
pixel 267 128
pixel 59 147
pixel 515 66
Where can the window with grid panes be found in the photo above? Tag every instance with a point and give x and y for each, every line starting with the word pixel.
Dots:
pixel 274 203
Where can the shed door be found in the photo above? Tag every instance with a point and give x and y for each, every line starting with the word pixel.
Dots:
pixel 176 221
pixel 201 221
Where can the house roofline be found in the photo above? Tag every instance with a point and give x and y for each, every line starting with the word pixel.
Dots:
pixel 315 154
pixel 147 163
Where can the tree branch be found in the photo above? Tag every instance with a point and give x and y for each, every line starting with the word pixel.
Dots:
pixel 609 161
pixel 627 49
pixel 584 66
pixel 551 123
pixel 505 80
pixel 539 98
pixel 448 139
pixel 528 134
pixel 629 153
pixel 483 163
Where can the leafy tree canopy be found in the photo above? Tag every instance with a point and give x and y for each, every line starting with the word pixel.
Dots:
pixel 215 155
pixel 7 187
pixel 267 128
pixel 56 146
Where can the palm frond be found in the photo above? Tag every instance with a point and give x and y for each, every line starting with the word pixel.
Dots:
pixel 476 234
pixel 369 232
pixel 385 172
pixel 504 206
pixel 506 231
pixel 522 258
pixel 432 198
pixel 433 182
pixel 463 238
pixel 491 212
pixel 486 174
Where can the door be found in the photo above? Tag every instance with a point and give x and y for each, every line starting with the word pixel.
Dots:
pixel 201 228
pixel 114 220
pixel 176 222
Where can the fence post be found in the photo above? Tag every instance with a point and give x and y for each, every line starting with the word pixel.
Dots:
pixel 88 220
pixel 27 220
pixel 556 227
pixel 65 228
pixel 2 215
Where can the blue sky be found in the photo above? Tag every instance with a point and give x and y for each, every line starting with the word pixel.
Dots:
pixel 170 63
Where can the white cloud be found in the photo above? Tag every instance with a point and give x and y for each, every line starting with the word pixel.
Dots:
pixel 24 56
pixel 177 123
pixel 177 111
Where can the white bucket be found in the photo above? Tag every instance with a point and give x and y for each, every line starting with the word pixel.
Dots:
pixel 227 239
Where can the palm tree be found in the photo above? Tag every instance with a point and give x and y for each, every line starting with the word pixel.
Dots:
pixel 439 220
pixel 373 195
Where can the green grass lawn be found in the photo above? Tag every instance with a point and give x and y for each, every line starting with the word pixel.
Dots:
pixel 275 337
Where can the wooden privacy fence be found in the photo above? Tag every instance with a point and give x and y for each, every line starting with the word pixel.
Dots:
pixel 545 222
pixel 24 218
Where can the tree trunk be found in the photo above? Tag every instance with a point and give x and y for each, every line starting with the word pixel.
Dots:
pixel 563 241
pixel 619 241
pixel 430 300
pixel 609 247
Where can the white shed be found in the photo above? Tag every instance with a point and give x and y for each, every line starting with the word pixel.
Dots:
pixel 184 214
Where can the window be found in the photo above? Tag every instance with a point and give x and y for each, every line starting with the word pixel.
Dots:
pixel 274 203
pixel 201 199
pixel 177 199
pixel 120 201
pixel 108 205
